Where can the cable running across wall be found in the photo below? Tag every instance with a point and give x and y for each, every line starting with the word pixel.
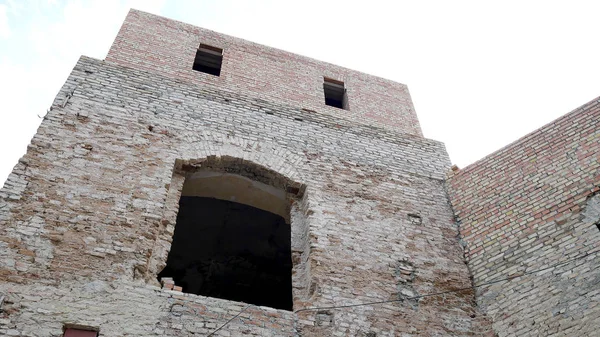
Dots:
pixel 582 256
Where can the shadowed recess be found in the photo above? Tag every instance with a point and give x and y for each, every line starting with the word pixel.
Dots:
pixel 232 251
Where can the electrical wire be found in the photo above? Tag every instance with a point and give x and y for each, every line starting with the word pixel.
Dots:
pixel 431 294
pixel 231 319
pixel 451 291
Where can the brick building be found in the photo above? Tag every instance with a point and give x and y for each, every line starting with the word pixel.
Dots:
pixel 195 183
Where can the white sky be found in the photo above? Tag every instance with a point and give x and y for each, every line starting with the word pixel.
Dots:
pixel 481 73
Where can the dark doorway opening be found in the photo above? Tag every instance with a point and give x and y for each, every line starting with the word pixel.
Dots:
pixel 232 251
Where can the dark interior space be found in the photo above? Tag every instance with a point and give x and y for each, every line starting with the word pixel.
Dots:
pixel 334 93
pixel 232 251
pixel 208 60
pixel 334 102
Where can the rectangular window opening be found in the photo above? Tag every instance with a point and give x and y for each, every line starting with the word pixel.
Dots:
pixel 335 93
pixel 208 60
pixel 74 332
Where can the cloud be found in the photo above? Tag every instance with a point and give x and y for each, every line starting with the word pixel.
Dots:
pixel 4 28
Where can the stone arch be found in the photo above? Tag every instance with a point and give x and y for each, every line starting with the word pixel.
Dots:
pixel 246 168
pixel 252 168
pixel 208 144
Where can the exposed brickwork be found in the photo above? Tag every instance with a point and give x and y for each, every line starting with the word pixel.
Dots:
pixel 526 207
pixel 83 215
pixel 88 214
pixel 168 47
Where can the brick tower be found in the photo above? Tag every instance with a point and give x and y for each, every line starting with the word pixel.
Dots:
pixel 193 184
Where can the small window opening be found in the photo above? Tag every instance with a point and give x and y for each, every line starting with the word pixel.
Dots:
pixel 208 60
pixel 232 240
pixel 74 332
pixel 335 93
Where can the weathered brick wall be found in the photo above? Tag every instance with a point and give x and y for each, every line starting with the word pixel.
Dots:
pixel 168 47
pixel 82 212
pixel 525 207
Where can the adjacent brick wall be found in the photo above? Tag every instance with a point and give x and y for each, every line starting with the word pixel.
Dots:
pixel 84 216
pixel 81 214
pixel 168 47
pixel 523 208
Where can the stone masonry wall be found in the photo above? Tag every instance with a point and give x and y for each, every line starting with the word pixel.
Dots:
pixel 531 205
pixel 82 212
pixel 159 45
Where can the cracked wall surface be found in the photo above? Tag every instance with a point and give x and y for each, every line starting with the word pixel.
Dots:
pixel 85 214
pixel 88 214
